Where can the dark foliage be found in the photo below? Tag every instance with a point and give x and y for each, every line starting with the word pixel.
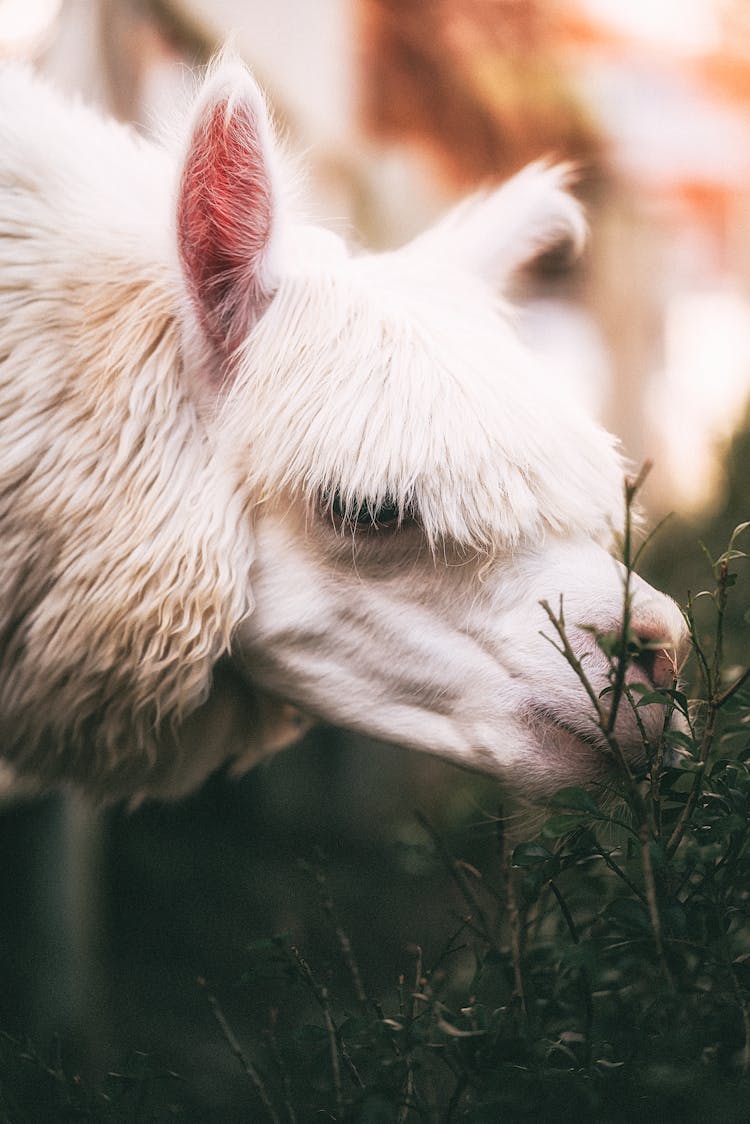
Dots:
pixel 598 969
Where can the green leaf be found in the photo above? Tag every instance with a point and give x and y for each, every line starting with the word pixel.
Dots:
pixel 268 944
pixel 707 555
pixel 585 954
pixel 577 800
pixel 310 1035
pixel 653 697
pixel 560 825
pixel 629 914
pixel 532 883
pixel 664 695
pixel 609 642
pixel 679 737
pixel 530 854
pixel 356 1026
pixel 375 1109
pixel 684 762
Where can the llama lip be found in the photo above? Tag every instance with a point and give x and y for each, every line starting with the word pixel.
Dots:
pixel 569 740
pixel 544 720
pixel 558 740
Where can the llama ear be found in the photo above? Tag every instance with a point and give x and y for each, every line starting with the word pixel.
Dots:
pixel 227 208
pixel 494 234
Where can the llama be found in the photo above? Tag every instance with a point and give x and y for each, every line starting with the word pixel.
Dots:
pixel 250 479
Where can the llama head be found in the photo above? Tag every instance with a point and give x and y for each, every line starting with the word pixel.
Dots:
pixel 417 484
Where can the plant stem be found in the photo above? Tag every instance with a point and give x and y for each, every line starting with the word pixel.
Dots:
pixel 616 869
pixel 516 940
pixel 337 1044
pixel 347 952
pixel 456 871
pixel 716 699
pixel 251 1072
pixel 653 906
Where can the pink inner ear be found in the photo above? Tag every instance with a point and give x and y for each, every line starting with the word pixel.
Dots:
pixel 224 220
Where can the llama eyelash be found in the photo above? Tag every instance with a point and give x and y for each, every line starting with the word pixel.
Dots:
pixel 384 515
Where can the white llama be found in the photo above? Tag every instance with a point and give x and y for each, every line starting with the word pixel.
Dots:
pixel 243 470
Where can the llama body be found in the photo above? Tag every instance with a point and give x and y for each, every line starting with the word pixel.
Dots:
pixel 243 470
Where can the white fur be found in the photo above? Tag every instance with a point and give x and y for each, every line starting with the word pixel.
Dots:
pixel 158 522
pixel 529 214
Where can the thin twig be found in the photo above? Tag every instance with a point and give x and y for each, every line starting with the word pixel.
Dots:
pixel 565 911
pixel 697 786
pixel 639 722
pixel 338 1046
pixel 650 537
pixel 656 766
pixel 696 644
pixel 516 942
pixel 653 907
pixel 603 717
pixel 716 699
pixel 607 719
pixel 456 871
pixel 347 952
pixel 740 998
pixel 632 487
pixel 458 1092
pixel 565 649
pixel 617 869
pixel 249 1069
pixel 514 916
pixel 448 949
pixel 745 1012
pixel 286 1081
pixel 409 1087
pixel 738 684
pixel 588 1005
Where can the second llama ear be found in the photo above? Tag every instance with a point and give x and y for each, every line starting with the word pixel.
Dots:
pixel 495 234
pixel 227 208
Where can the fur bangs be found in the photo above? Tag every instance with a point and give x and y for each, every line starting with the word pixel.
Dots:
pixel 439 412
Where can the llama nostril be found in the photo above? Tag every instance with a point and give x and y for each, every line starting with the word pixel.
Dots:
pixel 659 663
pixel 657 640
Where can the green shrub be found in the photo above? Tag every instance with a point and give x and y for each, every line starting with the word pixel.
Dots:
pixel 598 970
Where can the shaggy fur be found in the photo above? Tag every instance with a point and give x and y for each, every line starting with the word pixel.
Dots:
pixel 190 380
pixel 124 551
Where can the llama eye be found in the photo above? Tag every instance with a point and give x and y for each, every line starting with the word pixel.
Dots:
pixel 386 514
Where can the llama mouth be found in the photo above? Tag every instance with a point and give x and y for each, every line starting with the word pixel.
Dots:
pixel 544 723
pixel 590 748
pixel 575 756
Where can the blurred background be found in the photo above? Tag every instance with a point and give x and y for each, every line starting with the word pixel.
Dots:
pixel 397 107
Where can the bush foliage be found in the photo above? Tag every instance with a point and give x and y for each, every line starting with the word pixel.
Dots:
pixel 610 953
pixel 597 969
